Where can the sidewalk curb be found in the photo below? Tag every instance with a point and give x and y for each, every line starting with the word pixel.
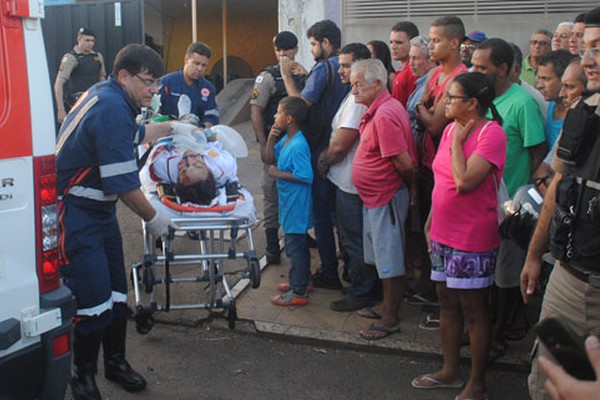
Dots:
pixel 395 344
pixel 310 336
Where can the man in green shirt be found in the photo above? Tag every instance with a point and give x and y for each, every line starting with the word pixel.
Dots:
pixel 526 148
pixel 539 45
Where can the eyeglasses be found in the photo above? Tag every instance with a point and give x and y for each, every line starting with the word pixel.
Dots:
pixel 534 42
pixel 561 35
pixel 150 82
pixel 541 180
pixel 594 52
pixel 468 46
pixel 448 99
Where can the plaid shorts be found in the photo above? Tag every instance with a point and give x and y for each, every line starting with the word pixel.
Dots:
pixel 462 269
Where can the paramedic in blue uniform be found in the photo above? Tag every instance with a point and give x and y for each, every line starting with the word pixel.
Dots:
pixel 190 81
pixel 79 69
pixel 96 166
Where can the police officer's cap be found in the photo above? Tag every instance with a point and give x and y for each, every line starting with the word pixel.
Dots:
pixel 592 18
pixel 86 31
pixel 285 40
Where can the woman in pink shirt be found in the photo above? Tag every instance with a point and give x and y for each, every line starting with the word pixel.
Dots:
pixel 462 228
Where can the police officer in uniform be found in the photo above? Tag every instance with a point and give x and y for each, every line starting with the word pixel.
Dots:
pixel 570 218
pixel 79 69
pixel 269 89
pixel 96 166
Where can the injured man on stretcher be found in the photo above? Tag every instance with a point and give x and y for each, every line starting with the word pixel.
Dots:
pixel 196 171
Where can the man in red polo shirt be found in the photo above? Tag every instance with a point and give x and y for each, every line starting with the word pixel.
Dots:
pixel 383 171
pixel 404 80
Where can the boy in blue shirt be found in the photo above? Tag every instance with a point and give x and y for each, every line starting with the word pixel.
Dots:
pixel 294 179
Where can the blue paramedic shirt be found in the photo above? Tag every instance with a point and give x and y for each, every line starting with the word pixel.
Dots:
pixel 202 94
pixel 295 198
pixel 97 160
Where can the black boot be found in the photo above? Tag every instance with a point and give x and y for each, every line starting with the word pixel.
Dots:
pixel 85 359
pixel 116 368
pixel 273 248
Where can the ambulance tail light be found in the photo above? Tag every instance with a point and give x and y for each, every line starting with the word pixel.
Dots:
pixel 46 222
pixel 60 345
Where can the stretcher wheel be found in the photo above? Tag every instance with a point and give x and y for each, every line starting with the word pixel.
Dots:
pixel 148 279
pixel 232 316
pixel 144 321
pixel 254 272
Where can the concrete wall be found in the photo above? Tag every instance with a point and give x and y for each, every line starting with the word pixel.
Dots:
pixel 153 20
pixel 250 31
pixel 298 15
pixel 514 28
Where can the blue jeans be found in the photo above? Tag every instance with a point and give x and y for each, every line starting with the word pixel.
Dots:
pixel 323 192
pixel 363 277
pixel 296 248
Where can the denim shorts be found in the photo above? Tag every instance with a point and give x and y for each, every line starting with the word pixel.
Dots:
pixel 462 269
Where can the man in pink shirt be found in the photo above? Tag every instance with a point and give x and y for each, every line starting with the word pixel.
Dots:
pixel 383 171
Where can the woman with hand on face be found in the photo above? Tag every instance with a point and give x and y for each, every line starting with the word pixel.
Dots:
pixel 462 229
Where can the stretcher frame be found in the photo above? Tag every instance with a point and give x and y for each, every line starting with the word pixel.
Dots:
pixel 160 259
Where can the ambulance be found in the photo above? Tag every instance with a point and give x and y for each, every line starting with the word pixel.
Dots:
pixel 35 308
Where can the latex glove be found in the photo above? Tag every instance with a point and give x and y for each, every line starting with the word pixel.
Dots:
pixel 184 105
pixel 200 136
pixel 190 119
pixel 210 135
pixel 181 128
pixel 159 224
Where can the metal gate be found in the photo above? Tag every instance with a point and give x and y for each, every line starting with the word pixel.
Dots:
pixel 116 23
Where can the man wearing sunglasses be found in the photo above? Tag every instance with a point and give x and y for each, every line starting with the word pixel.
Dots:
pixel 96 166
pixel 539 45
pixel 190 81
pixel 468 46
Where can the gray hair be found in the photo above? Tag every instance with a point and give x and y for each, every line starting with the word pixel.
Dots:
pixel 421 42
pixel 374 70
pixel 568 24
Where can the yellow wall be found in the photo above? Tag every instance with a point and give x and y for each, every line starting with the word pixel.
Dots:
pixel 250 30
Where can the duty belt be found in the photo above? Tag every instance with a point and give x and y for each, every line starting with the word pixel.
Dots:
pixel 589 277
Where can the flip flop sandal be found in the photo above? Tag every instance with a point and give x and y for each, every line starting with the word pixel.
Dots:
pixel 369 312
pixel 428 382
pixel 384 330
pixel 431 323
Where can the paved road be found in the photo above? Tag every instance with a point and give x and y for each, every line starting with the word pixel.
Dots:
pixel 204 362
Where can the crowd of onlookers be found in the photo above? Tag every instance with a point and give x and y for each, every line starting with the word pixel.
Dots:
pixel 400 172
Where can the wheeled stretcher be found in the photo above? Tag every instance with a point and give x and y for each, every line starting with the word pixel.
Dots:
pixel 211 230
pixel 220 234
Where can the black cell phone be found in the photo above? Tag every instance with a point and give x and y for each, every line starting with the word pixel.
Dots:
pixel 566 347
